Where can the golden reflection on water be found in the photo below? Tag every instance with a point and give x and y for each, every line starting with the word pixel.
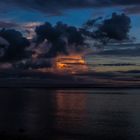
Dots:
pixel 70 109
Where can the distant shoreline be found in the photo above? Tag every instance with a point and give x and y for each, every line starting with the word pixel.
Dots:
pixel 31 79
pixel 53 84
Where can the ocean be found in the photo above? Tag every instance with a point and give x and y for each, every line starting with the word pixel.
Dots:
pixel 70 114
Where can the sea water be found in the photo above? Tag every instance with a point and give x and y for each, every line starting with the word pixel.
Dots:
pixel 70 114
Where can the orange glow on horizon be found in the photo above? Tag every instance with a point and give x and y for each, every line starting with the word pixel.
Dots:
pixel 61 66
pixel 71 64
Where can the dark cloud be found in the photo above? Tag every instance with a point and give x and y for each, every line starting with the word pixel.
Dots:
pixel 64 38
pixel 92 22
pixel 8 24
pixel 132 10
pixel 116 64
pixel 17 44
pixel 117 27
pixel 4 44
pixel 60 37
pixel 57 6
pixel 114 28
pixel 120 52
pixel 28 64
pixel 126 2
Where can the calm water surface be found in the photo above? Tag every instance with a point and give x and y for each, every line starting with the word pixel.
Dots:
pixel 70 114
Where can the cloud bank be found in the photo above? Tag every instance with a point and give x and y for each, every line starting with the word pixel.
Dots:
pixel 50 41
pixel 58 6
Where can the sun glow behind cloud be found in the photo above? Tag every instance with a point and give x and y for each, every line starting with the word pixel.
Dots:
pixel 71 64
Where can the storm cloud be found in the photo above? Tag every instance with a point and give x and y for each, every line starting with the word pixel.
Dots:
pixel 117 27
pixel 57 7
pixel 61 38
pixel 16 45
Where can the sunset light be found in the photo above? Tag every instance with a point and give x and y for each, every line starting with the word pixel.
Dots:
pixel 70 69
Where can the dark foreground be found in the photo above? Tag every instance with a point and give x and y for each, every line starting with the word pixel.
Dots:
pixel 70 114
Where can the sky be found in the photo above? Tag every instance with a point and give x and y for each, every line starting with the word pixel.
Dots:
pixel 72 12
